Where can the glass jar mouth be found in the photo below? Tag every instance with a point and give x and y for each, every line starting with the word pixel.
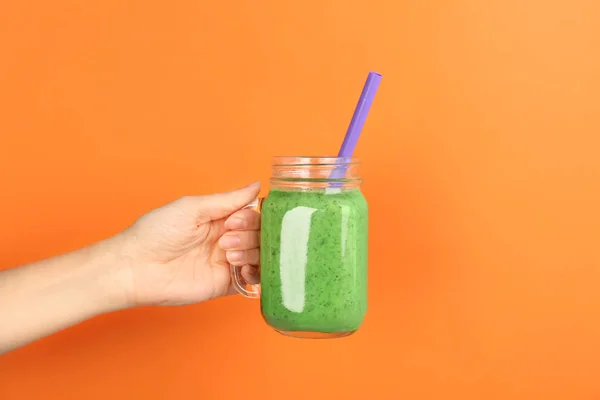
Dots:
pixel 315 172
pixel 282 161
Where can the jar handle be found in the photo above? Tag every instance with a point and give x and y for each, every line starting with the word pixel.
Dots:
pixel 239 283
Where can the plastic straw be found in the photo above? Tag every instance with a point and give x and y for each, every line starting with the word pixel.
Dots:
pixel 358 121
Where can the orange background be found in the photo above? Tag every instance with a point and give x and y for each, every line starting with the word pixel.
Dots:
pixel 480 159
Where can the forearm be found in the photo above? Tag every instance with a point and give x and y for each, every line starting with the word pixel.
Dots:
pixel 47 296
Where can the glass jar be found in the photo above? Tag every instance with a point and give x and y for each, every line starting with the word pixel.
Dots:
pixel 313 255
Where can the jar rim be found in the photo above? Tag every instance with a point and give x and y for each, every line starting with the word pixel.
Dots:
pixel 313 160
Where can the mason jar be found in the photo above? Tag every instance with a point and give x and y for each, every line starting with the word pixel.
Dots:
pixel 313 248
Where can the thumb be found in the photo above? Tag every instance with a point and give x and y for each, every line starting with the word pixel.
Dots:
pixel 220 205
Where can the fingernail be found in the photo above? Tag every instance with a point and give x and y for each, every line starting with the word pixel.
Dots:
pixel 233 256
pixel 229 242
pixel 236 223
pixel 253 184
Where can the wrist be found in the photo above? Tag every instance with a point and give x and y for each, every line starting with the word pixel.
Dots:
pixel 111 269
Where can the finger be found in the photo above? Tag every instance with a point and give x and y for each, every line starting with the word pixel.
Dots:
pixel 243 220
pixel 240 240
pixel 243 257
pixel 250 275
pixel 216 206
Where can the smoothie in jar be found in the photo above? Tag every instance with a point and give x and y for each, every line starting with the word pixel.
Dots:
pixel 314 260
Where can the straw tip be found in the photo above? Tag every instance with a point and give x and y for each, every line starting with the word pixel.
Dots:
pixel 375 73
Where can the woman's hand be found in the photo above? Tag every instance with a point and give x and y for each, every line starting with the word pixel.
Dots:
pixel 176 254
pixel 180 253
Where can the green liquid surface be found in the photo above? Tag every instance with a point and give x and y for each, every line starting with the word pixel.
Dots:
pixel 314 260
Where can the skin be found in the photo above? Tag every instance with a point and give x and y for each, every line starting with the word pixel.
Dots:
pixel 174 255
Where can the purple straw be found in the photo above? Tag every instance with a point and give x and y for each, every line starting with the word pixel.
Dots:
pixel 358 121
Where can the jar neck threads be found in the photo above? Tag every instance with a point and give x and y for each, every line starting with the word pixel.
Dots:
pixel 306 173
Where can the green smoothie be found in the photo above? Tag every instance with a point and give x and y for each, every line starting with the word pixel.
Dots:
pixel 314 260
